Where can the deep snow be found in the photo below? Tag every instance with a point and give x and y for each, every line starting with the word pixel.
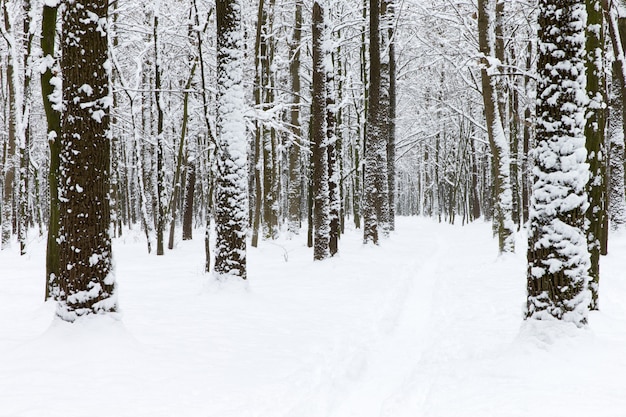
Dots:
pixel 427 324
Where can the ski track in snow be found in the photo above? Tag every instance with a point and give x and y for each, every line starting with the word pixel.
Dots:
pixel 428 324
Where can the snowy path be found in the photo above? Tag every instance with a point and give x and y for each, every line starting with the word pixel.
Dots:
pixel 426 325
pixel 403 335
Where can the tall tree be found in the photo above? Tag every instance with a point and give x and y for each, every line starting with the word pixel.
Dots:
pixel 558 259
pixel 617 124
pixel 331 145
pixel 375 184
pixel 389 18
pixel 319 156
pixel 160 197
pixel 86 281
pixel 10 161
pixel 295 165
pixel 594 134
pixel 495 130
pixel 231 204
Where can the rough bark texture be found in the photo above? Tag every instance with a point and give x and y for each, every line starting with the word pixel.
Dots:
pixel 617 198
pixel 391 142
pixel 231 187
pixel 321 207
pixel 331 150
pixel 558 259
pixel 594 134
pixel 497 140
pixel 86 278
pixel 257 154
pixel 376 204
pixel 294 188
pixel 10 161
pixel 160 198
pixel 190 188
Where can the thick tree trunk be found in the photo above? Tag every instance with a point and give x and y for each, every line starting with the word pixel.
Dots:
pixel 321 206
pixel 87 282
pixel 376 205
pixel 558 257
pixel 231 187
pixel 594 134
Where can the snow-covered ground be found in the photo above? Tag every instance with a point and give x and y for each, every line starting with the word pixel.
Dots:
pixel 427 324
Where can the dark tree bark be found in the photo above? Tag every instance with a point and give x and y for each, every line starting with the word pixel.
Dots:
pixel 391 143
pixel 160 168
pixel 190 187
pixel 617 196
pixel 497 140
pixel 260 49
pixel 294 188
pixel 526 139
pixel 376 204
pixel 558 258
pixel 10 161
pixel 475 203
pixel 594 134
pixel 231 188
pixel 321 221
pixel 86 280
pixel 333 166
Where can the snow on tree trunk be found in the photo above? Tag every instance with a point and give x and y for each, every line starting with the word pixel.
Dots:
pixel 319 158
pixel 376 204
pixel 160 198
pixel 594 134
pixel 295 167
pixel 558 258
pixel 231 183
pixel 331 145
pixel 617 196
pixel 86 278
pixel 389 18
pixel 497 139
pixel 617 119
pixel 190 187
pixel 49 86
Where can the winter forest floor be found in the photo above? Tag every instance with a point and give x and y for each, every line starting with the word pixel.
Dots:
pixel 428 324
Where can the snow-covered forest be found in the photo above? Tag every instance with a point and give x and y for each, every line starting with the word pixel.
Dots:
pixel 312 207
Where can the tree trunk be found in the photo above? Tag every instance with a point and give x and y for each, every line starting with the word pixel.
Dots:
pixel 231 187
pixel 391 143
pixel 10 160
pixel 179 160
pixel 376 207
pixel 497 139
pixel 617 195
pixel 594 134
pixel 257 153
pixel 558 257
pixel 331 151
pixel 294 189
pixel 87 283
pixel 190 187
pixel 321 206
pixel 160 167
